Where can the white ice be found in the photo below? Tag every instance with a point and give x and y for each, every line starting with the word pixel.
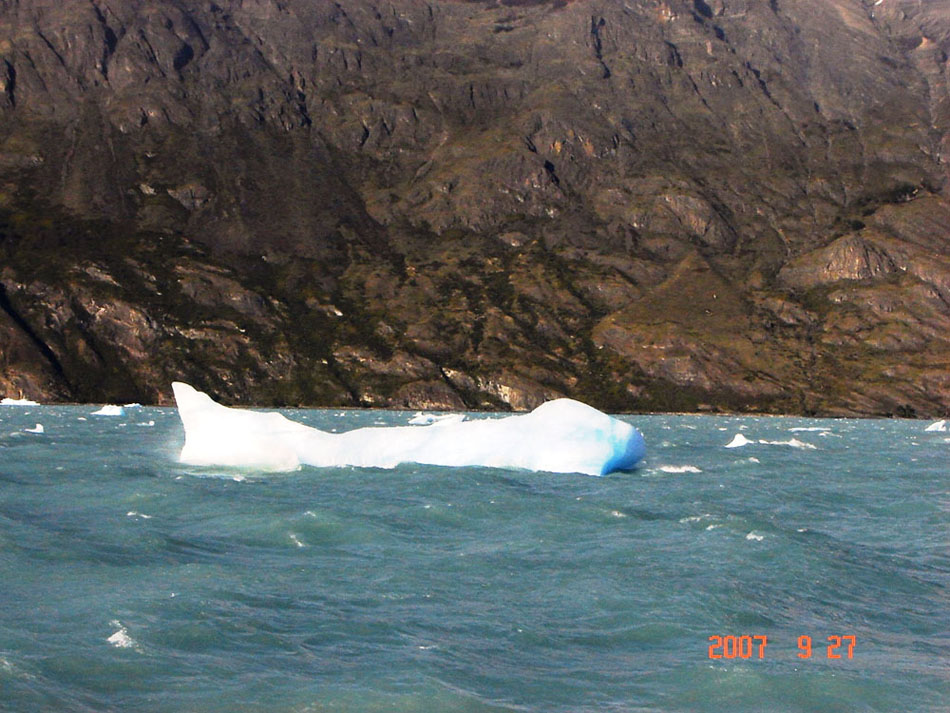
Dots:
pixel 937 426
pixel 679 469
pixel 38 428
pixel 560 436
pixel 17 402
pixel 427 419
pixel 121 638
pixel 109 410
pixel 738 441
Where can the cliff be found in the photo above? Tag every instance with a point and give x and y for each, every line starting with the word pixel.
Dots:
pixel 647 205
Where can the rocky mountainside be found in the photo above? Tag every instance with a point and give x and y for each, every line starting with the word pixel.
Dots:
pixel 644 204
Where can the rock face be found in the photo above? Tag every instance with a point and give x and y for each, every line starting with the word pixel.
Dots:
pixel 648 205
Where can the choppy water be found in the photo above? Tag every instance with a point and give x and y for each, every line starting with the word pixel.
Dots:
pixel 129 582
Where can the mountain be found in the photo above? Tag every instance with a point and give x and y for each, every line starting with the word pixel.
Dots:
pixel 643 204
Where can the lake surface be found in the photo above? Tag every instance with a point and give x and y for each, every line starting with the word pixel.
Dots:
pixel 129 582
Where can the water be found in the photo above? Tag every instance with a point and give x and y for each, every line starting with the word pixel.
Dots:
pixel 131 582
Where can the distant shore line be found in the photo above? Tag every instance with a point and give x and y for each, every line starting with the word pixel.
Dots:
pixel 18 403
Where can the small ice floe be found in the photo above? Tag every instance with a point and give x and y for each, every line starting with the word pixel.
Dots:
pixel 296 540
pixel 132 405
pixel 146 424
pixel 17 402
pixel 713 527
pixel 141 516
pixel 792 443
pixel 754 536
pixel 679 469
pixel 38 428
pixel 753 459
pixel 13 670
pixel 109 410
pixel 617 513
pixel 940 426
pixel 738 441
pixel 121 638
pixel 808 428
pixel 429 419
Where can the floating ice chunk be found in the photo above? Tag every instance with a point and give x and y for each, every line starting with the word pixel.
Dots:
pixel 738 441
pixel 560 436
pixel 132 405
pixel 427 419
pixel 937 426
pixel 679 469
pixel 807 428
pixel 753 536
pixel 792 443
pixel 695 518
pixel 38 428
pixel 109 410
pixel 121 638
pixel 17 402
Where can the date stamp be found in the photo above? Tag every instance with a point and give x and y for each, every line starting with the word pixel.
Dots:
pixel 748 647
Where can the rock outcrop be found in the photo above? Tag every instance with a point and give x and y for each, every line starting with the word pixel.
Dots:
pixel 648 205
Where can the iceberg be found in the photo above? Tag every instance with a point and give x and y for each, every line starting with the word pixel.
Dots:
pixel 109 410
pixel 939 426
pixel 738 441
pixel 7 401
pixel 560 436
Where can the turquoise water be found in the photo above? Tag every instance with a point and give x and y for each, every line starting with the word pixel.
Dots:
pixel 129 582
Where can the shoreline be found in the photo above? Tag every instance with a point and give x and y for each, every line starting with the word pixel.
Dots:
pixel 717 414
